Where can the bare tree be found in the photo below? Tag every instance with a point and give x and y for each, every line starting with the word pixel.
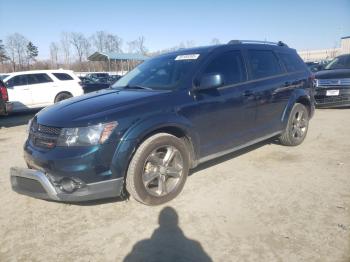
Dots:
pixel 113 43
pixel 54 54
pixel 98 40
pixel 16 47
pixel 78 40
pixel 105 42
pixel 86 48
pixel 138 46
pixel 66 47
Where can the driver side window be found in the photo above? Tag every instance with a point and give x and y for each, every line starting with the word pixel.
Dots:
pixel 230 66
pixel 19 80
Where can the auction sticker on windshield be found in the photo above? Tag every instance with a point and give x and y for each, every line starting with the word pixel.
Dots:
pixel 332 93
pixel 187 57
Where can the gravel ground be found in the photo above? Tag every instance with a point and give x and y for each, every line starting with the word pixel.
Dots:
pixel 266 203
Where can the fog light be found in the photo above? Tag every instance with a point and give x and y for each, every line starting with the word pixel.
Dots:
pixel 68 185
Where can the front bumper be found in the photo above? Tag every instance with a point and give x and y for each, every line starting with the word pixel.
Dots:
pixel 38 184
pixel 340 100
pixel 5 108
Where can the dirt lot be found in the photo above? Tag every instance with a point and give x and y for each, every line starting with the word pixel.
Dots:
pixel 267 203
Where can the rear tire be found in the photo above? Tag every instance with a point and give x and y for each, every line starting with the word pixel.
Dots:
pixel 62 96
pixel 158 170
pixel 297 126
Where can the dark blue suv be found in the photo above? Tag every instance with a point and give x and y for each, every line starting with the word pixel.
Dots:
pixel 169 114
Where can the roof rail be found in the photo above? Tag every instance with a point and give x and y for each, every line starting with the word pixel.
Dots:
pixel 235 42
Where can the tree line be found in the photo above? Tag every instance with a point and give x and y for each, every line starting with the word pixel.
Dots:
pixel 17 53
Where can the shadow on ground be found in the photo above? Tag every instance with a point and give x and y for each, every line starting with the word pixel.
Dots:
pixel 17 119
pixel 168 243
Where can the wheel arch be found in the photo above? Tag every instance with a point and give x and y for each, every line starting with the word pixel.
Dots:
pixel 299 96
pixel 135 135
pixel 62 92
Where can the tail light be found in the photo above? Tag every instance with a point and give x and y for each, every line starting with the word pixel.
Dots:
pixel 3 91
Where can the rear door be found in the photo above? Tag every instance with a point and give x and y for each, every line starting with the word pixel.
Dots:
pixel 19 92
pixel 42 89
pixel 271 90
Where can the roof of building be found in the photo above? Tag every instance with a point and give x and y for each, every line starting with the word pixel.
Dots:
pixel 99 56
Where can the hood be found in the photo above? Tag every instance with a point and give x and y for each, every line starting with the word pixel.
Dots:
pixel 92 108
pixel 333 74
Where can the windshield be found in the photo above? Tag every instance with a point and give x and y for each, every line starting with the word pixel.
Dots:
pixel 340 62
pixel 162 73
pixel 2 77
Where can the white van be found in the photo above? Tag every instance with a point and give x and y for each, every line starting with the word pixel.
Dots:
pixel 40 88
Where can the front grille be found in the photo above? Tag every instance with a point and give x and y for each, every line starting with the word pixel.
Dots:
pixel 43 136
pixel 331 99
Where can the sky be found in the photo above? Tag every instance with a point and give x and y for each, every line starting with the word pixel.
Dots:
pixel 303 25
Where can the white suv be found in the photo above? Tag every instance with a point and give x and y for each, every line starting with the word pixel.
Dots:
pixel 40 88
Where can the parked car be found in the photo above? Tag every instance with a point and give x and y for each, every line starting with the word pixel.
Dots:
pixel 166 116
pixel 91 83
pixel 315 66
pixel 333 83
pixel 5 105
pixel 2 76
pixel 40 88
pixel 98 75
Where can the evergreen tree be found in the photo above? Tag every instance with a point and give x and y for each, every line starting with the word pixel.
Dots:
pixel 3 56
pixel 32 52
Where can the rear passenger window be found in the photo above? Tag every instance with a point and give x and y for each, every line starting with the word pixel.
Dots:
pixel 230 66
pixel 292 62
pixel 38 79
pixel 62 76
pixel 263 63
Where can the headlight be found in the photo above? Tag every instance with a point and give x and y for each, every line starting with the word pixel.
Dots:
pixel 86 136
pixel 29 125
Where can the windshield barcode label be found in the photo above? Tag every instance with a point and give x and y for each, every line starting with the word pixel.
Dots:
pixel 187 57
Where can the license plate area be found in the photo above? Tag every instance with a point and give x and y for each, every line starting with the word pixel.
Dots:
pixel 332 93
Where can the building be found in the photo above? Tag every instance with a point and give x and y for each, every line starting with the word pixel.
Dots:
pixel 326 54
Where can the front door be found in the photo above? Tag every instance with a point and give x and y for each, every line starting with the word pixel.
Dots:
pixel 223 117
pixel 19 92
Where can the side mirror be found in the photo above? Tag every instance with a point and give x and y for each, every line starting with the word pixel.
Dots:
pixel 209 81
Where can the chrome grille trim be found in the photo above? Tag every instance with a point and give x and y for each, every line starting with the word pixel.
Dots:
pixel 333 82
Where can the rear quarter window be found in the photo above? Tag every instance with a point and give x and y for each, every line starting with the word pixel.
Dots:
pixel 62 76
pixel 263 63
pixel 292 62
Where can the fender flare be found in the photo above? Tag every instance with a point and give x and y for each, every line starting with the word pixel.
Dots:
pixel 298 96
pixel 139 131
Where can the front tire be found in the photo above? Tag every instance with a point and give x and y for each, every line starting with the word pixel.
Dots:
pixel 297 126
pixel 62 96
pixel 158 170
